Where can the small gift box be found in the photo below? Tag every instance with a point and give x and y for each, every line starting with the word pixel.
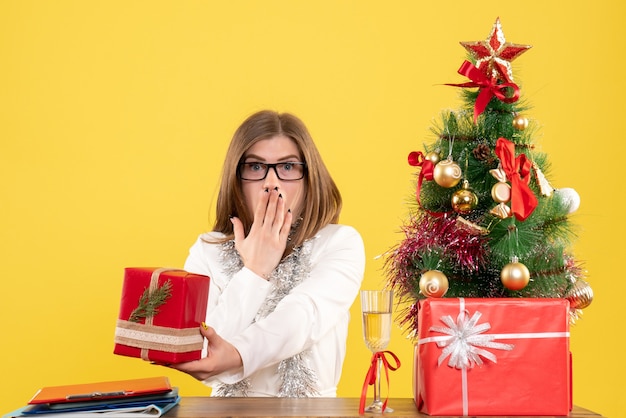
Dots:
pixel 493 357
pixel 160 313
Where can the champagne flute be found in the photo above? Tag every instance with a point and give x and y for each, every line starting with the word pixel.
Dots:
pixel 376 308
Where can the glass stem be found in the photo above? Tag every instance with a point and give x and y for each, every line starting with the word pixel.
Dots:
pixel 377 384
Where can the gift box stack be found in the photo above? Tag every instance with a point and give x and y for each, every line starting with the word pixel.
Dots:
pixel 493 357
pixel 160 313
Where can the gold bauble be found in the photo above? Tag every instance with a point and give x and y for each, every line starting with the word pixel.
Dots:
pixel 464 200
pixel 433 156
pixel 433 284
pixel 580 295
pixel 515 275
pixel 520 122
pixel 447 173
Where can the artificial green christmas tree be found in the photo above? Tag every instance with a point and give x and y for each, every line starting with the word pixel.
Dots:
pixel 486 222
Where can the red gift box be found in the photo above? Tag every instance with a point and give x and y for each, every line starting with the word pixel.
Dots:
pixel 170 332
pixel 493 357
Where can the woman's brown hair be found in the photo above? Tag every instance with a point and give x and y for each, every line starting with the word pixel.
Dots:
pixel 322 197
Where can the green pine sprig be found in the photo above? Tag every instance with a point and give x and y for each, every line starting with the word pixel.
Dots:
pixel 149 303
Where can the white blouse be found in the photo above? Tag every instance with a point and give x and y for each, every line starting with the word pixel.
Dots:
pixel 313 316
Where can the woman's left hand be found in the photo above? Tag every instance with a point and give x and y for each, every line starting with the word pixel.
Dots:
pixel 221 356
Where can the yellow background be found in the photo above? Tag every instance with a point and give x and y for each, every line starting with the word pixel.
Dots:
pixel 115 115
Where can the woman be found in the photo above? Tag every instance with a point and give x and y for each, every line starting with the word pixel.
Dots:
pixel 283 273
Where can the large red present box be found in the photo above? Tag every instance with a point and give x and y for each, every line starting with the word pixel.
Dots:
pixel 493 357
pixel 169 333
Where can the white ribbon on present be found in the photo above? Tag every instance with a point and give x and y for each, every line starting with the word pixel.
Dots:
pixel 466 341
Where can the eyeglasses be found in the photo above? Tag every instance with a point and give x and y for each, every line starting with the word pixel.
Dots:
pixel 284 171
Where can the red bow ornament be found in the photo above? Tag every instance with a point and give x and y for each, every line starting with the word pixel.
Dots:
pixel 517 170
pixel 370 377
pixel 417 159
pixel 488 86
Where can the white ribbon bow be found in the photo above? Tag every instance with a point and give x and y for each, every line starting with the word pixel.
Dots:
pixel 464 341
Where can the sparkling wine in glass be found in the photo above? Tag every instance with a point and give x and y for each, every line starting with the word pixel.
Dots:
pixel 376 308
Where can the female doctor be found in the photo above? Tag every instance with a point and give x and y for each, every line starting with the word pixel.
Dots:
pixel 283 272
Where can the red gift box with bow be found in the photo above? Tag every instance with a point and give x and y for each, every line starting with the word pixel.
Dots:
pixel 493 357
pixel 160 314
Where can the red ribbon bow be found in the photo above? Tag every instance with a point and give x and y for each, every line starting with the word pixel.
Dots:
pixel 417 159
pixel 370 377
pixel 523 200
pixel 488 87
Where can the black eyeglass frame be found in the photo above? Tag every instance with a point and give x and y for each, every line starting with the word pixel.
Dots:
pixel 267 170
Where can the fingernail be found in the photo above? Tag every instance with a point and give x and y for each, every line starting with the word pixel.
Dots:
pixel 289 210
pixel 267 190
pixel 276 188
pixel 204 325
pixel 280 195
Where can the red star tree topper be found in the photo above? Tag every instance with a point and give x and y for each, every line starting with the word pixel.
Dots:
pixel 494 55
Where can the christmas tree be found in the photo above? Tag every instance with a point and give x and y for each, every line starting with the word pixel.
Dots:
pixel 485 221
